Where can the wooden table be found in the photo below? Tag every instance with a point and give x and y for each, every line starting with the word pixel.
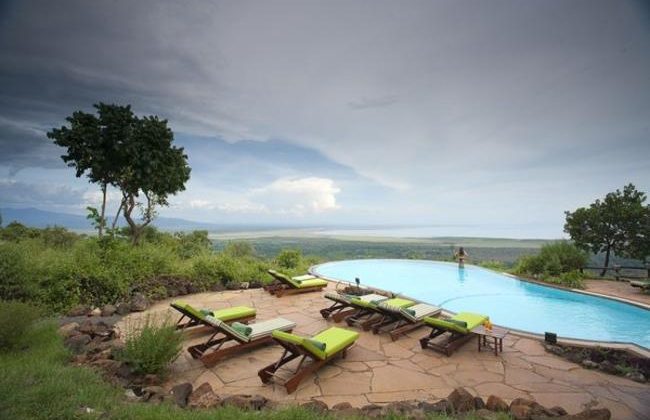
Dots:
pixel 496 333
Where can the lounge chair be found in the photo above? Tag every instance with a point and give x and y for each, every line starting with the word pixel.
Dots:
pixel 292 285
pixel 368 314
pixel 342 306
pixel 319 349
pixel 459 328
pixel 642 284
pixel 397 321
pixel 246 337
pixel 196 316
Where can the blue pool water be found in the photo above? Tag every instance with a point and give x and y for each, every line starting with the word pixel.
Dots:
pixel 508 301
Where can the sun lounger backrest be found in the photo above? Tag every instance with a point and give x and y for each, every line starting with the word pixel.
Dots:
pixel 265 328
pixel 284 278
pixel 227 329
pixel 419 311
pixel 189 309
pixel 337 297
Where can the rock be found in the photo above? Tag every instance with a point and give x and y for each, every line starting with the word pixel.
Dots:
pixel 68 329
pixel 589 364
pixel 124 371
pixel 317 406
pixel 80 310
pixel 552 348
pixel 217 287
pixel 461 400
pixel 108 310
pixel 153 393
pixel 123 309
pixel 575 356
pixel 95 312
pixel 520 412
pixel 402 408
pixel 180 393
pixel 556 411
pixel 109 366
pixel 495 403
pixel 441 407
pixel 245 402
pixel 101 329
pixel 523 401
pixel 608 367
pixel 151 379
pixel 636 376
pixel 203 397
pixel 485 414
pixel 372 410
pixel 478 403
pixel 138 303
pixel 592 414
pixel 130 395
pixel 341 406
pixel 77 343
pixel 86 327
pixel 255 284
pixel 244 285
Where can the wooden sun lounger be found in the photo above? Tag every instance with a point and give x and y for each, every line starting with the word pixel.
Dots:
pixel 399 321
pixel 338 340
pixel 213 350
pixel 458 334
pixel 368 313
pixel 294 285
pixel 196 318
pixel 341 308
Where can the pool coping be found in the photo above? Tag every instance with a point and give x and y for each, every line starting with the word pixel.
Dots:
pixel 627 346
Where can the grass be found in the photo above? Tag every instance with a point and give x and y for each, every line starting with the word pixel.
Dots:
pixel 37 383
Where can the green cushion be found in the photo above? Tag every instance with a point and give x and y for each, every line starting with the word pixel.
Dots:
pixel 409 311
pixel 236 312
pixel 398 302
pixel 461 324
pixel 473 320
pixel 335 339
pixel 189 309
pixel 318 344
pixel 242 328
pixel 227 329
pixel 312 283
pixel 288 337
pixel 362 303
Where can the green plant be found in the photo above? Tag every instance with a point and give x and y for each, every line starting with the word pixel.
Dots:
pixel 151 345
pixel 15 320
pixel 494 265
pixel 289 258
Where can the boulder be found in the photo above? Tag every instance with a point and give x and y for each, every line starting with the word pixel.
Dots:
pixel 151 379
pixel 485 414
pixel 244 285
pixel 520 412
pixel 556 411
pixel 589 364
pixel 86 327
pixel 592 414
pixel 109 310
pixel 372 410
pixel 203 397
pixel 461 400
pixel 77 343
pixel 342 406
pixel 80 310
pixel 153 393
pixel 495 403
pixel 123 308
pixel 245 402
pixel 68 329
pixel 402 408
pixel 608 367
pixel 317 406
pixel 636 376
pixel 441 407
pixel 109 366
pixel 138 302
pixel 130 395
pixel 95 312
pixel 523 401
pixel 478 403
pixel 180 393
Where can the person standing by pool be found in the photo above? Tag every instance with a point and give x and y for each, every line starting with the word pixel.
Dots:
pixel 461 255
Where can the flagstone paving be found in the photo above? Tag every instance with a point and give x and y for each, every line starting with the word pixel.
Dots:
pixel 378 370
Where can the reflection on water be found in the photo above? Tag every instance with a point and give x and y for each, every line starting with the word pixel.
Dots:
pixel 462 274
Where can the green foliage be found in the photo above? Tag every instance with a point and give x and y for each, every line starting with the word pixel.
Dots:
pixel 620 223
pixel 15 231
pixel 289 258
pixel 193 243
pixel 224 269
pixel 494 265
pixel 151 345
pixel 558 263
pixel 14 280
pixel 16 318
pixel 239 249
pixel 58 237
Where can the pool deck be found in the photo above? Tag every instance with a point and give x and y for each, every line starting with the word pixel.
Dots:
pixel 378 370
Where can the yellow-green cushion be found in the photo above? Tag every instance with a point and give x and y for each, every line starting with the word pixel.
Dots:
pixel 189 309
pixel 398 302
pixel 335 339
pixel 472 320
pixel 312 283
pixel 355 301
pixel 236 312
pixel 288 337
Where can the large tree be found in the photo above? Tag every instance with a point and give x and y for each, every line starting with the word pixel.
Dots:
pixel 93 146
pixel 615 224
pixel 152 168
pixel 133 154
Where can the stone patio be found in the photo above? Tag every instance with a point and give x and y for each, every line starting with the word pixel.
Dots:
pixel 378 370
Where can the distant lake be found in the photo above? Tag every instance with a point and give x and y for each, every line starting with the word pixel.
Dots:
pixel 474 231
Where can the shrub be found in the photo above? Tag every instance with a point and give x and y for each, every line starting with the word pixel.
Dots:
pixel 289 258
pixel 15 319
pixel 15 283
pixel 239 249
pixel 554 259
pixel 151 345
pixel 493 265
pixel 58 237
pixel 192 244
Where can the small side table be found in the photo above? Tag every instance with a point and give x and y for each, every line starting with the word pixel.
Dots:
pixel 496 333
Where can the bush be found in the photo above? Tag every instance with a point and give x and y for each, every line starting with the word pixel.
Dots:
pixel 554 259
pixel 494 265
pixel 289 258
pixel 151 345
pixel 15 283
pixel 239 249
pixel 573 279
pixel 15 319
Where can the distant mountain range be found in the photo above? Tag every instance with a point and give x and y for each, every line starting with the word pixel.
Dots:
pixel 41 218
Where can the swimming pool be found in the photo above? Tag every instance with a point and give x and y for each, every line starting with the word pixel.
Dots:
pixel 508 301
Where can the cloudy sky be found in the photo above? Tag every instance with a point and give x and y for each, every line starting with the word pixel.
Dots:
pixel 342 112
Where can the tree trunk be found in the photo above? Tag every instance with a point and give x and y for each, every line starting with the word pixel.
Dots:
pixel 609 248
pixel 129 205
pixel 117 215
pixel 102 220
